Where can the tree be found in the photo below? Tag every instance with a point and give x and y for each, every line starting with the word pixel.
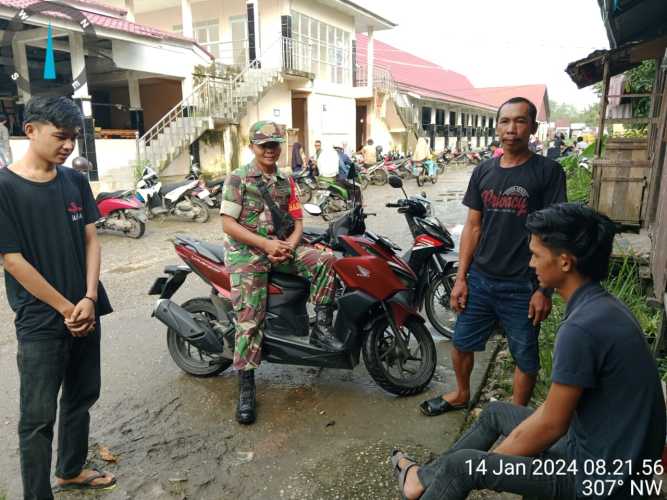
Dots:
pixel 589 116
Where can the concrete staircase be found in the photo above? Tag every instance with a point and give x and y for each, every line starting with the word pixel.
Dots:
pixel 211 101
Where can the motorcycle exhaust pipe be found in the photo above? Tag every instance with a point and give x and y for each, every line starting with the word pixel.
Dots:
pixel 184 324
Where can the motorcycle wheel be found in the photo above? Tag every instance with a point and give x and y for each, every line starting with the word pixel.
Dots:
pixel 202 209
pixel 187 357
pixel 434 178
pixel 328 213
pixel 379 177
pixel 362 179
pixel 438 310
pixel 420 180
pixel 401 373
pixel 305 192
pixel 138 228
pixel 441 168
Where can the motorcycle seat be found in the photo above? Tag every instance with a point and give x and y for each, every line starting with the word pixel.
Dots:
pixel 214 183
pixel 215 253
pixel 106 196
pixel 288 281
pixel 170 187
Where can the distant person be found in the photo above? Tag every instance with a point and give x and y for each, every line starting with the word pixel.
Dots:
pixel 5 148
pixel 369 152
pixel 318 149
pixel 496 150
pixel 51 257
pixel 298 158
pixel 605 403
pixel 581 144
pixel 494 283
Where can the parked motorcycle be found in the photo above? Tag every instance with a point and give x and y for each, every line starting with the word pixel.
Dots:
pixel 377 175
pixel 176 199
pixel 306 183
pixel 333 198
pixel 212 189
pixel 121 213
pixel 425 171
pixel 375 300
pixel 432 258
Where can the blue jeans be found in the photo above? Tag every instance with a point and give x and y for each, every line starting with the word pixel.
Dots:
pixel 46 366
pixel 461 470
pixel 491 300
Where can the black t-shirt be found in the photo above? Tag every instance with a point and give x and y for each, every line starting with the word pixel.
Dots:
pixel 45 222
pixel 506 196
pixel 601 348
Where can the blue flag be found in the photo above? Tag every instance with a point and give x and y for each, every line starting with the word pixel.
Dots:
pixel 50 62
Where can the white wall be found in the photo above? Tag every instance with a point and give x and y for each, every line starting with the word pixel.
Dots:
pixel 331 119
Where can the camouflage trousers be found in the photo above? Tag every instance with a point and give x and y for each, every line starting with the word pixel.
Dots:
pixel 249 298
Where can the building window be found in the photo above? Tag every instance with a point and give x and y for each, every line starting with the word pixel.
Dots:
pixel 439 116
pixel 330 48
pixel 426 117
pixel 207 33
pixel 452 118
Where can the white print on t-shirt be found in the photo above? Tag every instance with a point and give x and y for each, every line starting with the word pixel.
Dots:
pixel 514 199
pixel 75 211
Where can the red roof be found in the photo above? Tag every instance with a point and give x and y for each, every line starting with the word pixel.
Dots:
pixel 112 23
pixel 429 80
pixel 415 74
pixel 495 96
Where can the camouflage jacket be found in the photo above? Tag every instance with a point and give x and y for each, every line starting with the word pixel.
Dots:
pixel 242 200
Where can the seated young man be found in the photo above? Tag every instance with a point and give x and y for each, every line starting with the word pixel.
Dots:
pixel 602 426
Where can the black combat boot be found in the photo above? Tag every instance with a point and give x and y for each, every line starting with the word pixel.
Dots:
pixel 322 335
pixel 246 411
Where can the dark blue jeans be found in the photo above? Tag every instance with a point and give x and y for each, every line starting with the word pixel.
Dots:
pixel 458 472
pixel 506 301
pixel 46 366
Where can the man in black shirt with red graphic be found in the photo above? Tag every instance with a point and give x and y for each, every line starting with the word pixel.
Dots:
pixel 51 258
pixel 494 282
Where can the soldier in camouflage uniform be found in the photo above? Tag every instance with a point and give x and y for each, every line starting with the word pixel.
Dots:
pixel 252 249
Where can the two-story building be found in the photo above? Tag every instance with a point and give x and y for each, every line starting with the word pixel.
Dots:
pixel 290 61
pixel 416 97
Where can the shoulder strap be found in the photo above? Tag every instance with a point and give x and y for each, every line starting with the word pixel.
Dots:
pixel 264 191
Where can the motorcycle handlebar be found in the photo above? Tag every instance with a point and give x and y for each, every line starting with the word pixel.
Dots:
pixel 319 239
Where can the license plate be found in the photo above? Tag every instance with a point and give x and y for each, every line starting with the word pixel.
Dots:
pixel 204 194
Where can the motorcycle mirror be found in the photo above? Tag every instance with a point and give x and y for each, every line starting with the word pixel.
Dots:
pixel 395 181
pixel 81 164
pixel 312 209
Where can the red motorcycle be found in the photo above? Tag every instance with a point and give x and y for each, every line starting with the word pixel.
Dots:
pixel 376 312
pixel 121 213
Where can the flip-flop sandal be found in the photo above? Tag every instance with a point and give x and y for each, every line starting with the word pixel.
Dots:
pixel 401 474
pixel 438 406
pixel 88 483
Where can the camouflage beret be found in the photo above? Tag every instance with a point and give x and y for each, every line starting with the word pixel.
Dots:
pixel 266 131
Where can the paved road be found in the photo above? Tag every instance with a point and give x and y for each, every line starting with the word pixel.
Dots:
pixel 320 434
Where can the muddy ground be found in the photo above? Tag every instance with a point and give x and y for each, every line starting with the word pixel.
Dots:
pixel 320 433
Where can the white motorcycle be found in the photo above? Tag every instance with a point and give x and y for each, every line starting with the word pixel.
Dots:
pixel 177 199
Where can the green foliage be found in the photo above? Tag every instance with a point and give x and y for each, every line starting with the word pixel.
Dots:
pixel 590 116
pixel 640 80
pixel 578 178
pixel 138 171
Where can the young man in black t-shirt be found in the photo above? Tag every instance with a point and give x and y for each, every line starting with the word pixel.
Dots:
pixel 51 259
pixel 494 282
pixel 601 430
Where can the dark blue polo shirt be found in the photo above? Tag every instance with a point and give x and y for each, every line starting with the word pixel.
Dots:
pixel 600 347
